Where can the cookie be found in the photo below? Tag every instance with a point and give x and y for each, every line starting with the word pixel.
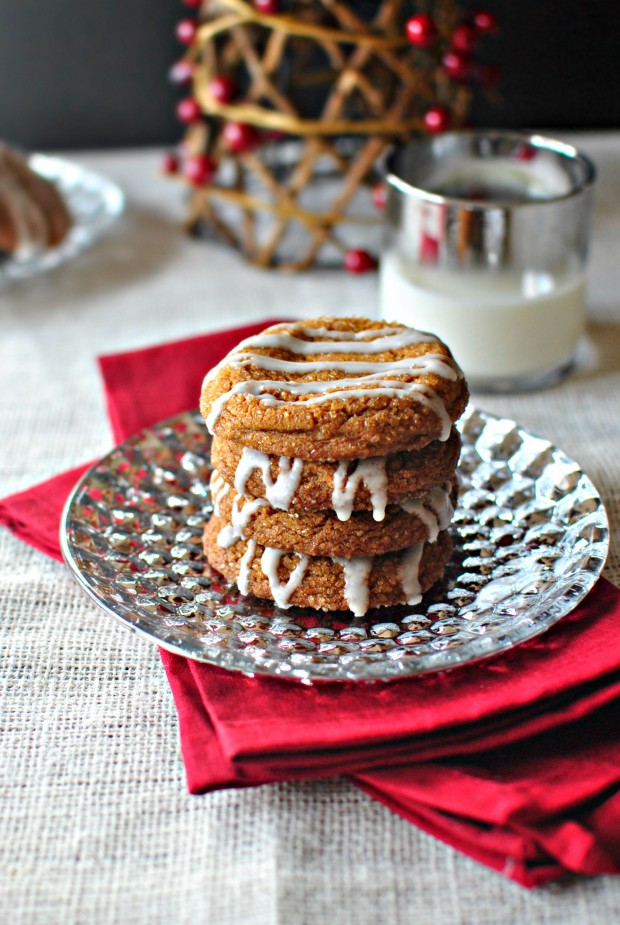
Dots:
pixel 335 389
pixel 33 214
pixel 351 485
pixel 327 583
pixel 321 533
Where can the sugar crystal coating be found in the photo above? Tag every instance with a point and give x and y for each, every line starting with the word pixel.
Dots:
pixel 335 453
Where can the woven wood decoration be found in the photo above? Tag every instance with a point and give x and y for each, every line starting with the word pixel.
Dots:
pixel 293 104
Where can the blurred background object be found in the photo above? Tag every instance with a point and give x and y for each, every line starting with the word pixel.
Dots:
pixel 289 105
pixel 79 75
pixel 86 75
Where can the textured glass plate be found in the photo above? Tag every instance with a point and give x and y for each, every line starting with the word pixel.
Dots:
pixel 530 532
pixel 94 203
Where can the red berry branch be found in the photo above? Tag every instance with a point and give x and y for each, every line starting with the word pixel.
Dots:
pixel 249 68
pixel 454 40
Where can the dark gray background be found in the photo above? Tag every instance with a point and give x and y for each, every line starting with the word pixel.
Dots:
pixel 75 73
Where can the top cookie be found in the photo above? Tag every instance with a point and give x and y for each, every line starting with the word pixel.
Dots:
pixel 335 388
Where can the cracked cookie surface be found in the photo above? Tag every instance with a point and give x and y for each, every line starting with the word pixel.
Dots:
pixel 327 583
pixel 335 389
pixel 321 533
pixel 379 481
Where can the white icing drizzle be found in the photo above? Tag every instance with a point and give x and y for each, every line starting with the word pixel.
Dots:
pixel 410 573
pixel 219 490
pixel 243 578
pixel 349 335
pixel 435 509
pixel 278 493
pixel 283 336
pixel 365 378
pixel 356 589
pixel 427 363
pixel 239 519
pixel 394 388
pixel 378 341
pixel 281 593
pixel 383 340
pixel 373 474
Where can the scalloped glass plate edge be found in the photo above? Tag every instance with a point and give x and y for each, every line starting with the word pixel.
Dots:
pixel 531 538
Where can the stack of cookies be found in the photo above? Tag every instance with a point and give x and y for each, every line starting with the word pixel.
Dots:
pixel 334 456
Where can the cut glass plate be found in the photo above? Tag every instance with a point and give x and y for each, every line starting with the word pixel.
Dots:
pixel 530 534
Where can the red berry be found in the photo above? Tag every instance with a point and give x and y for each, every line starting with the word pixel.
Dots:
pixel 188 110
pixel 169 164
pixel 429 249
pixel 268 7
pixel 186 30
pixel 199 169
pixel 465 37
pixel 240 137
pixel 181 72
pixel 456 64
pixel 379 195
pixel 437 120
pixel 526 152
pixel 195 4
pixel 223 89
pixel 485 21
pixel 421 30
pixel 358 261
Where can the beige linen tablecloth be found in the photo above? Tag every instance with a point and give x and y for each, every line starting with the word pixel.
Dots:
pixel 95 822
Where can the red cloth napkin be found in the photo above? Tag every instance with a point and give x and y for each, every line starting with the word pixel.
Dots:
pixel 532 811
pixel 515 761
pixel 344 726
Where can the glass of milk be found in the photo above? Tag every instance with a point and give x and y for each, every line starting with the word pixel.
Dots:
pixel 486 244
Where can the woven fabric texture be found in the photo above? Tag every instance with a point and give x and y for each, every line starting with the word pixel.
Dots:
pixel 96 825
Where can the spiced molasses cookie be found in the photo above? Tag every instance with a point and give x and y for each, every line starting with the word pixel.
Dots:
pixel 351 485
pixel 335 389
pixel 326 583
pixel 321 533
pixel 33 214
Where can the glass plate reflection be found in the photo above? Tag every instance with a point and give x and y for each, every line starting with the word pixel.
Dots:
pixel 530 531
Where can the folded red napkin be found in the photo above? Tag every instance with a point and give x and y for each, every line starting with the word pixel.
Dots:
pixel 343 726
pixel 532 811
pixel 141 388
pixel 497 759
